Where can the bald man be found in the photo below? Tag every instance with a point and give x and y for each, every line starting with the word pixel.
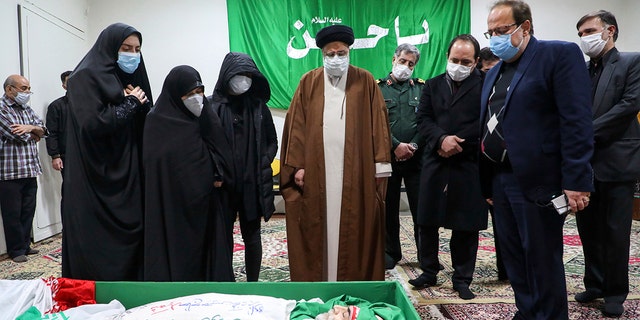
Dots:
pixel 21 129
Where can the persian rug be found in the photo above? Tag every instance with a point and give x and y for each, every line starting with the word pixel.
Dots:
pixel 485 284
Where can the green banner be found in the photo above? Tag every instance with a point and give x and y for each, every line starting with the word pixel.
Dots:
pixel 279 35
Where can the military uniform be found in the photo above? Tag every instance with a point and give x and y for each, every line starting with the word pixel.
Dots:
pixel 402 99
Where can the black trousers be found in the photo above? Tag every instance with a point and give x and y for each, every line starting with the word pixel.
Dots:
pixel 531 244
pixel 250 231
pixel 464 249
pixel 410 172
pixel 502 273
pixel 605 231
pixel 18 205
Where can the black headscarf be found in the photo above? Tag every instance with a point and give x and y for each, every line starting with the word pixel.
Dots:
pixel 235 63
pixel 187 237
pixel 102 59
pixel 103 165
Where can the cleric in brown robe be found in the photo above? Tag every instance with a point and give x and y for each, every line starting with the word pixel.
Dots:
pixel 335 160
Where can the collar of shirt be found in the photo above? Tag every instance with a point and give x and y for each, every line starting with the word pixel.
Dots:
pixel 393 82
pixel 6 101
pixel 603 60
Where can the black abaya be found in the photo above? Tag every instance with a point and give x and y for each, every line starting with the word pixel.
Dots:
pixel 102 229
pixel 186 238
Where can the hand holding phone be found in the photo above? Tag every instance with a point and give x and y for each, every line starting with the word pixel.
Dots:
pixel 561 204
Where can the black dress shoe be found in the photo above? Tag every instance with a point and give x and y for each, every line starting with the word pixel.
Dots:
pixel 20 259
pixel 613 309
pixel 465 293
pixel 440 266
pixel 390 263
pixel 423 281
pixel 587 296
pixel 32 251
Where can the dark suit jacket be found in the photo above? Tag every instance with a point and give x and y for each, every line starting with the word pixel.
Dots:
pixel 547 121
pixel 616 130
pixel 450 194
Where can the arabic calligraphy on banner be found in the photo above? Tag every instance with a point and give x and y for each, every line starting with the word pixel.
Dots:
pixel 362 43
pixel 280 35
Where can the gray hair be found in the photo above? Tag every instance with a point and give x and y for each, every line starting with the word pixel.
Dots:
pixel 408 48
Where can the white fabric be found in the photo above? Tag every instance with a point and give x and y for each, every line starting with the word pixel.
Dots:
pixel 383 169
pixel 101 311
pixel 213 306
pixel 16 296
pixel 333 131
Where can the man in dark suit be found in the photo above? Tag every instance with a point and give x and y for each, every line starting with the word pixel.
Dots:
pixel 536 143
pixel 605 226
pixel 448 117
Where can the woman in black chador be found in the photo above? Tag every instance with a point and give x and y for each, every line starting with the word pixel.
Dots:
pixel 185 155
pixel 109 97
pixel 239 99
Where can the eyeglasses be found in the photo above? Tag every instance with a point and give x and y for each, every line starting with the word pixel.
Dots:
pixel 499 30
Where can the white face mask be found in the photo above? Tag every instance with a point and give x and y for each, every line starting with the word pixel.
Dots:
pixel 22 98
pixel 337 65
pixel 239 84
pixel 458 72
pixel 592 45
pixel 401 72
pixel 194 103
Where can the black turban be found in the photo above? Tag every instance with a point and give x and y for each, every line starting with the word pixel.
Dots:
pixel 334 33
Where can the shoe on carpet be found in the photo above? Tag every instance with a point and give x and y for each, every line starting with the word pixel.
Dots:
pixel 423 281
pixel 33 251
pixel 465 293
pixel 440 266
pixel 587 296
pixel 613 309
pixel 20 259
pixel 389 263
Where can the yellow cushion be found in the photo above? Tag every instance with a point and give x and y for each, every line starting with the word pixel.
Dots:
pixel 275 166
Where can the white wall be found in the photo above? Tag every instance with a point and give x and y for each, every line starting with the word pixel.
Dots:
pixel 10 53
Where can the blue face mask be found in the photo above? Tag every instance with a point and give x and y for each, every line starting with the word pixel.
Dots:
pixel 501 46
pixel 128 62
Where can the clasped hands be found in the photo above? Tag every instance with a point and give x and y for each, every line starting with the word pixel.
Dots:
pixel 450 146
pixel 136 92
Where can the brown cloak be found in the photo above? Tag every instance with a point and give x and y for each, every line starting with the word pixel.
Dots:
pixel 367 142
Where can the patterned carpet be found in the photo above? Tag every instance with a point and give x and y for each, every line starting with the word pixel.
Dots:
pixel 494 299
